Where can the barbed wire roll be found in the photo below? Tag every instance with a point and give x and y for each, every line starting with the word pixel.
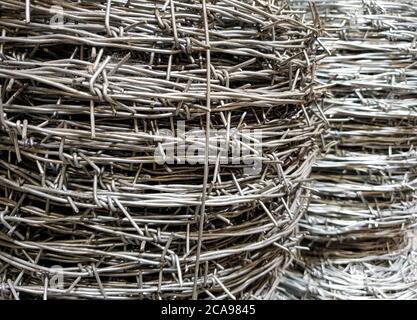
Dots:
pixel 390 275
pixel 361 221
pixel 364 186
pixel 91 91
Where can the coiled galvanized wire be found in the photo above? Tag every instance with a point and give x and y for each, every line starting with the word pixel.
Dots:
pixel 88 89
pixel 364 202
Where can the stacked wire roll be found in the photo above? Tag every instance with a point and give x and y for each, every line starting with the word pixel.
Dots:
pixel 91 92
pixel 364 203
pixel 384 276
